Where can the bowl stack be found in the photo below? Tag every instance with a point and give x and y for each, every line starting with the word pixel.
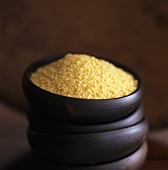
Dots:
pixel 87 134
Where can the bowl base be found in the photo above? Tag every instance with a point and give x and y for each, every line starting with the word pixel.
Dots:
pixel 131 162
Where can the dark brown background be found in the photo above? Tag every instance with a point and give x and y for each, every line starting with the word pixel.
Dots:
pixel 132 32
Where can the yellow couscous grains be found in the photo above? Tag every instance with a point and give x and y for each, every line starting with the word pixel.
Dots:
pixel 84 76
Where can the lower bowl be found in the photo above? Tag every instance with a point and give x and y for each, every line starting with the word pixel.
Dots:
pixel 90 148
pixel 133 161
pixel 41 123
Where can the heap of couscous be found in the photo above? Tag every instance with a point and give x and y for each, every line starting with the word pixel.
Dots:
pixel 84 76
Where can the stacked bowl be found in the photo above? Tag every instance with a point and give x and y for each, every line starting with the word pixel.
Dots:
pixel 88 134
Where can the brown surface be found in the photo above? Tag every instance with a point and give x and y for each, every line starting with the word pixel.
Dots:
pixel 134 33
pixel 15 151
pixel 13 140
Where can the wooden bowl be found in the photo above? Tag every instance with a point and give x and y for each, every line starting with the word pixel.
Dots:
pixel 75 110
pixel 89 148
pixel 134 161
pixel 39 122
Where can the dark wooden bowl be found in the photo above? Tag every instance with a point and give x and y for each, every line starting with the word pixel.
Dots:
pixel 134 161
pixel 75 110
pixel 39 122
pixel 90 148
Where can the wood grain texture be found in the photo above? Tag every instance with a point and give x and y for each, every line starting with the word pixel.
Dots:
pixel 134 33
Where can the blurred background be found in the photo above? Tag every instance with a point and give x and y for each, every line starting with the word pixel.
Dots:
pixel 133 32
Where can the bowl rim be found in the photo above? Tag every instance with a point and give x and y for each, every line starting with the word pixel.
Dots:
pixel 109 145
pixel 133 158
pixel 132 119
pixel 49 59
pixel 142 123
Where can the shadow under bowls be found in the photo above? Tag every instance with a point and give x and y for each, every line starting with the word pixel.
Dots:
pixel 76 110
pixel 39 122
pixel 91 148
pixel 132 162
